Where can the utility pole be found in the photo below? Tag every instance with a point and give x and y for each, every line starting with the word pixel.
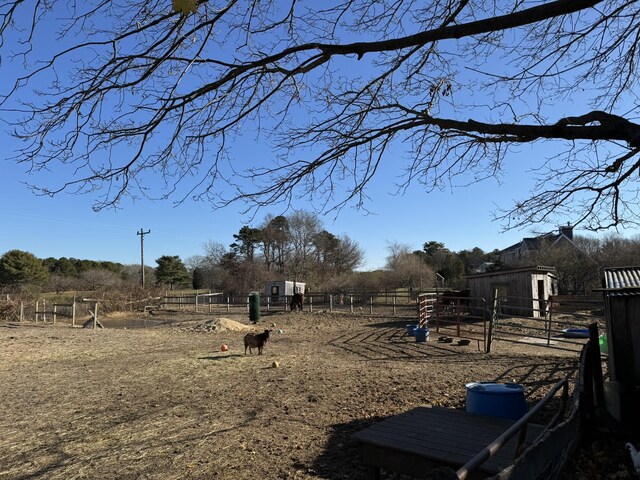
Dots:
pixel 142 233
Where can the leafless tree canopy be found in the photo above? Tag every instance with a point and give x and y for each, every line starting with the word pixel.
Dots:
pixel 447 90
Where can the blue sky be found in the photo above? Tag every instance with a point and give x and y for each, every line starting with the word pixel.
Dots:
pixel 66 225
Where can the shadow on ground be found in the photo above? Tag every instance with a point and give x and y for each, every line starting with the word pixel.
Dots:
pixel 340 458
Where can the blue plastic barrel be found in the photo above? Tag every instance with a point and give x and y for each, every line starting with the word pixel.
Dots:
pixel 411 328
pixel 421 334
pixel 575 333
pixel 504 400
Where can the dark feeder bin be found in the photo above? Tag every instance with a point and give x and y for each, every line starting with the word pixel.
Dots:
pixel 503 400
pixel 254 307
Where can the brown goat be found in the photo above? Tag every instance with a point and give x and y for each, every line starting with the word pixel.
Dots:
pixel 255 340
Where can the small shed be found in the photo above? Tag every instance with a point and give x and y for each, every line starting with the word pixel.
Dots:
pixel 622 310
pixel 523 291
pixel 281 290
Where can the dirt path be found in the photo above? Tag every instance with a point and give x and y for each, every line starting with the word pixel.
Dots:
pixel 166 403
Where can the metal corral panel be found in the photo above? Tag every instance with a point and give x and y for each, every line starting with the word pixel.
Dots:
pixel 622 278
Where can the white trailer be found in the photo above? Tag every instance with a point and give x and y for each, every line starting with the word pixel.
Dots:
pixel 282 290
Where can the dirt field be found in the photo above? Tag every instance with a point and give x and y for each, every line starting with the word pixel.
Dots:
pixel 166 403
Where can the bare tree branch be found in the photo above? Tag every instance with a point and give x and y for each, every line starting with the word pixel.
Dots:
pixel 136 92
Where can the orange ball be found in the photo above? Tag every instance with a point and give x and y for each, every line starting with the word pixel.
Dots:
pixel 224 348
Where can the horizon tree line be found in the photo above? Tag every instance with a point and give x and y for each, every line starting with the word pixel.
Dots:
pixel 297 247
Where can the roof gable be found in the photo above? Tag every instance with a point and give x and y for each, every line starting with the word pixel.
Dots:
pixel 531 269
pixel 565 234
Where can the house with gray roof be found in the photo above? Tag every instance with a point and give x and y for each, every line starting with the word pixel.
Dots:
pixel 521 250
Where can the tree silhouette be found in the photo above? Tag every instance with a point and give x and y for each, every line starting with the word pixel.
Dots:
pixel 19 269
pixel 171 271
pixel 246 241
pixel 158 88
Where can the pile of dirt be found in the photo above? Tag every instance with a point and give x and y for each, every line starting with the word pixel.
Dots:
pixel 221 325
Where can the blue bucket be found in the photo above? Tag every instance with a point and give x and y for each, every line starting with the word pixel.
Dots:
pixel 411 328
pixel 421 334
pixel 575 333
pixel 504 400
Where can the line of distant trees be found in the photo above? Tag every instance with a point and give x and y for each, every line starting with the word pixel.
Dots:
pixel 293 247
pixel 23 271
pixel 298 247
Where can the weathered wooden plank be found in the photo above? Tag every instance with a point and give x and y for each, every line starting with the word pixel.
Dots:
pixel 452 424
pixel 429 437
pixel 431 418
pixel 450 454
pixel 376 458
pixel 455 433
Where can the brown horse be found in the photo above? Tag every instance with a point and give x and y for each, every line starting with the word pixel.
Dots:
pixel 296 301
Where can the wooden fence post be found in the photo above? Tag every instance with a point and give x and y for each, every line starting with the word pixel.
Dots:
pixel 21 310
pixel 55 312
pixel 394 305
pixel 351 300
pixel 548 319
pixel 36 312
pixel 371 305
pixel 330 303
pixel 196 303
pixel 310 303
pixel 73 313
pixel 95 317
pixel 494 316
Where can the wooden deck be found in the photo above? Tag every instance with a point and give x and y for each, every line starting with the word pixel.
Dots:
pixel 415 442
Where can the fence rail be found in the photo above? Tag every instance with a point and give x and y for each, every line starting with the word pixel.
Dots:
pixel 557 322
pixel 42 311
pixel 381 303
pixel 546 458
pixel 562 323
pixel 460 316
pixel 518 428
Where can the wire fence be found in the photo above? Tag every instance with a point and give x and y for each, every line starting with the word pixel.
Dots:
pixel 559 322
pixel 372 303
